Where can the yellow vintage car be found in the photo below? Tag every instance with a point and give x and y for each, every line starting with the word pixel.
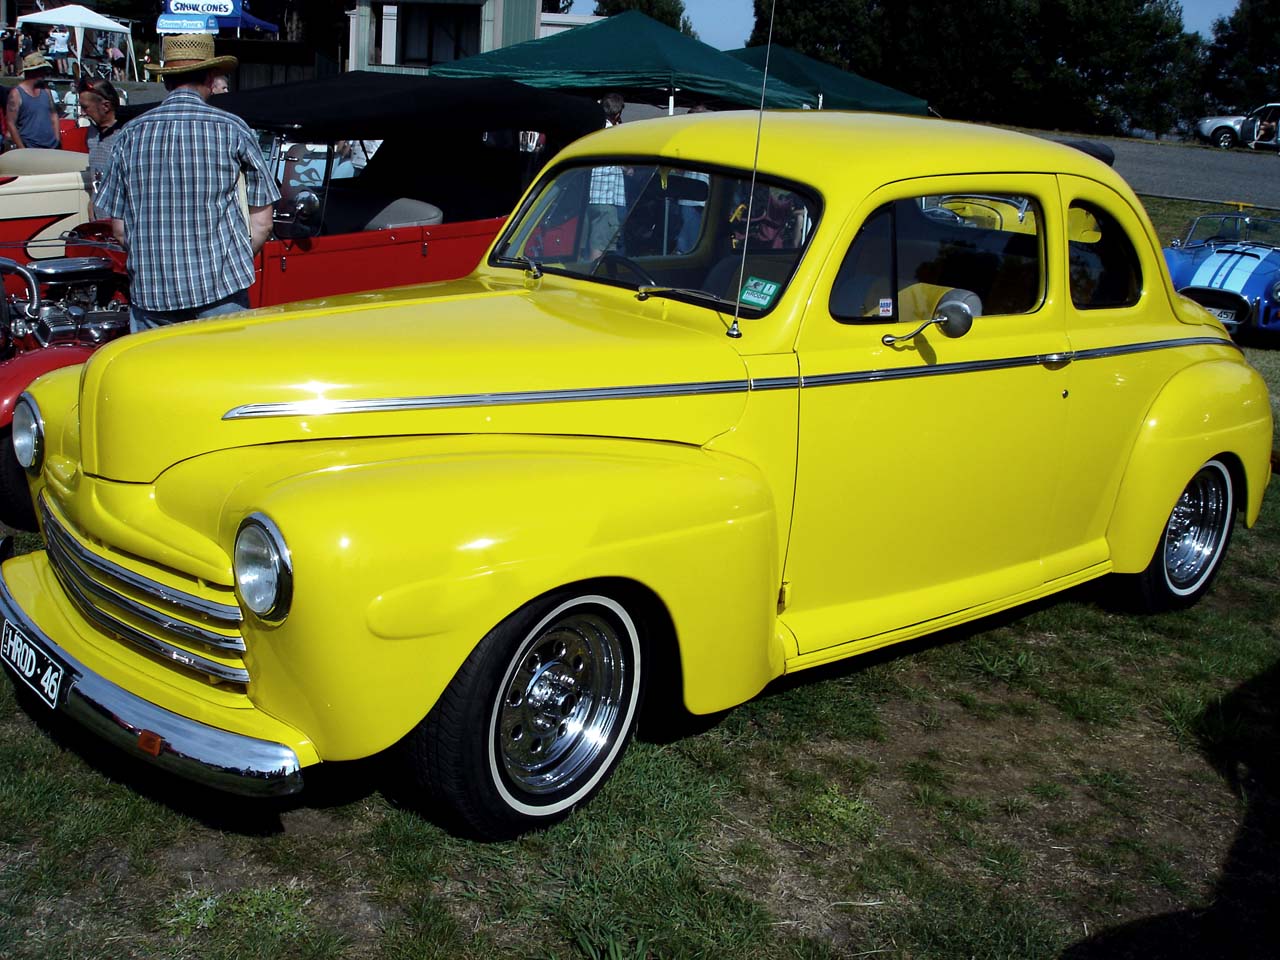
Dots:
pixel 687 428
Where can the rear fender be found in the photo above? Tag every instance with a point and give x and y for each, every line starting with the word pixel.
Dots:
pixel 1217 407
pixel 404 561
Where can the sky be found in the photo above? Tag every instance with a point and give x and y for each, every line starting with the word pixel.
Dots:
pixel 726 24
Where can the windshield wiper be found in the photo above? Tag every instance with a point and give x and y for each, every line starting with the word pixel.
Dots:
pixel 644 293
pixel 533 267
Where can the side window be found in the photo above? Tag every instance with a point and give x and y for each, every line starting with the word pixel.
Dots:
pixel 1105 272
pixel 864 286
pixel 909 253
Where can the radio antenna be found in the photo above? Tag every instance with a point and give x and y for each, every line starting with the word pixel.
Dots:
pixel 735 331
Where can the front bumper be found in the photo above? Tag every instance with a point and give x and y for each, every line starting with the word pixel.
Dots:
pixel 196 751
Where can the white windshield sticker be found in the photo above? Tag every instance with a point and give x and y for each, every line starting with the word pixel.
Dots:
pixel 886 307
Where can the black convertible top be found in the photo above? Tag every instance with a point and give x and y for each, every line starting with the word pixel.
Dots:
pixel 363 105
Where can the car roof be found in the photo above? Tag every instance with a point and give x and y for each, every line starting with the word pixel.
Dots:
pixel 842 152
pixel 368 105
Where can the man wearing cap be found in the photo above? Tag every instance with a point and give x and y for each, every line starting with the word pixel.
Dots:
pixel 170 189
pixel 30 110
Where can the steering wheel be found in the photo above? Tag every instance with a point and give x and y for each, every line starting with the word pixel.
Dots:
pixel 616 260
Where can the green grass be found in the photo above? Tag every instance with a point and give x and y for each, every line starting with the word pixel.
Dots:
pixel 988 793
pixel 1172 217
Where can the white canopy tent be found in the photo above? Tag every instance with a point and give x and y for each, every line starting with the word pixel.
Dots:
pixel 82 18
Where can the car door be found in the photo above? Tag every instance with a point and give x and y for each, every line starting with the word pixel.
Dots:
pixel 926 466
pixel 1126 344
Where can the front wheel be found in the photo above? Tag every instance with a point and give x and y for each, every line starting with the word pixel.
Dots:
pixel 1193 543
pixel 535 720
pixel 16 510
pixel 1224 138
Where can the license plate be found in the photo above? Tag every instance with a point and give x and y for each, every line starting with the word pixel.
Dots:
pixel 1226 316
pixel 33 666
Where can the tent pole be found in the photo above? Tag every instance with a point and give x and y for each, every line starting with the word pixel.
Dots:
pixel 819 99
pixel 671 102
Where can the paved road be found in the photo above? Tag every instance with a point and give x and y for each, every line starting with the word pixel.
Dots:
pixel 1165 169
pixel 1199 173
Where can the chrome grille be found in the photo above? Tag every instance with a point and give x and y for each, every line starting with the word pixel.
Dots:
pixel 172 624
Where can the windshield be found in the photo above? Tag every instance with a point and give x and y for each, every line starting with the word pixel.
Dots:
pixel 1232 228
pixel 665 231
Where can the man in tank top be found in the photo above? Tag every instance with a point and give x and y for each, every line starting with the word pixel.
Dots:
pixel 30 109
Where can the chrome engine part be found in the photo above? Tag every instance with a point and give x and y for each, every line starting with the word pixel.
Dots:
pixel 75 302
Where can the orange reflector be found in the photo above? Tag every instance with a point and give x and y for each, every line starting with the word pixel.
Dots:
pixel 151 743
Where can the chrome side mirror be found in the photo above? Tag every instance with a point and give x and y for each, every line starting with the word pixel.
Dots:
pixel 955 312
pixel 298 218
pixel 953 315
pixel 1175 242
pixel 306 205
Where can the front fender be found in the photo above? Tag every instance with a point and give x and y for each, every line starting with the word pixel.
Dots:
pixel 18 372
pixel 406 552
pixel 1211 408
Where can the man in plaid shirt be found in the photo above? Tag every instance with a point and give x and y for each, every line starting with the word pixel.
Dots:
pixel 607 193
pixel 170 189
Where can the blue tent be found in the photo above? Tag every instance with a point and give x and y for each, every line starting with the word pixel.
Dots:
pixel 247 20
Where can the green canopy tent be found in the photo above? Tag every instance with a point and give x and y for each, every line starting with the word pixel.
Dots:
pixel 642 59
pixel 835 89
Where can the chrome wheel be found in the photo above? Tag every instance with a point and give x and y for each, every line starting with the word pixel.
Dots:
pixel 1197 530
pixel 565 705
pixel 1225 139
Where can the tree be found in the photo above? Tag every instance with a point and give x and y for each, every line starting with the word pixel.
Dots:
pixel 1100 65
pixel 556 6
pixel 670 12
pixel 1244 58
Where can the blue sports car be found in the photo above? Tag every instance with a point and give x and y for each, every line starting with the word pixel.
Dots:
pixel 1230 264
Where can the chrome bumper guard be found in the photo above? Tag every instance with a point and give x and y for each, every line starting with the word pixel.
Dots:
pixel 195 751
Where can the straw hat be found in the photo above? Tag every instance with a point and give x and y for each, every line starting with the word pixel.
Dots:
pixel 35 61
pixel 187 53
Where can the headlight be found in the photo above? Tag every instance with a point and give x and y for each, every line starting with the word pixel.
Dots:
pixel 263 569
pixel 28 434
pixel 1275 290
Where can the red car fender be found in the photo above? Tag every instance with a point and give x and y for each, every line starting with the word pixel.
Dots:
pixel 17 373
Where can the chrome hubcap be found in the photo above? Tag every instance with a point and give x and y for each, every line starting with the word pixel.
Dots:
pixel 1193 538
pixel 562 705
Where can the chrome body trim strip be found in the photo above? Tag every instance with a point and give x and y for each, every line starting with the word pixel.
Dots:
pixel 302 408
pixel 225 614
pixel 122 631
pixel 299 408
pixel 1126 348
pixel 66 567
pixel 775 383
pixel 912 373
pixel 196 751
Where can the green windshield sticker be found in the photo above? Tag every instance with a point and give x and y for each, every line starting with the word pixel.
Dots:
pixel 759 293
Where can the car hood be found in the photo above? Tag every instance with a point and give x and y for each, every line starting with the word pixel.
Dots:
pixel 1243 268
pixel 469 356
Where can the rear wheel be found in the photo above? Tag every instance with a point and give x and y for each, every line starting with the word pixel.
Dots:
pixel 16 510
pixel 535 720
pixel 1194 541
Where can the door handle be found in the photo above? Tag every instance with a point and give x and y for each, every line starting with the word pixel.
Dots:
pixel 1049 359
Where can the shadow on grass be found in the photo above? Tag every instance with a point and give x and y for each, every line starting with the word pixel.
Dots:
pixel 1240 735
pixel 670 722
pixel 326 786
